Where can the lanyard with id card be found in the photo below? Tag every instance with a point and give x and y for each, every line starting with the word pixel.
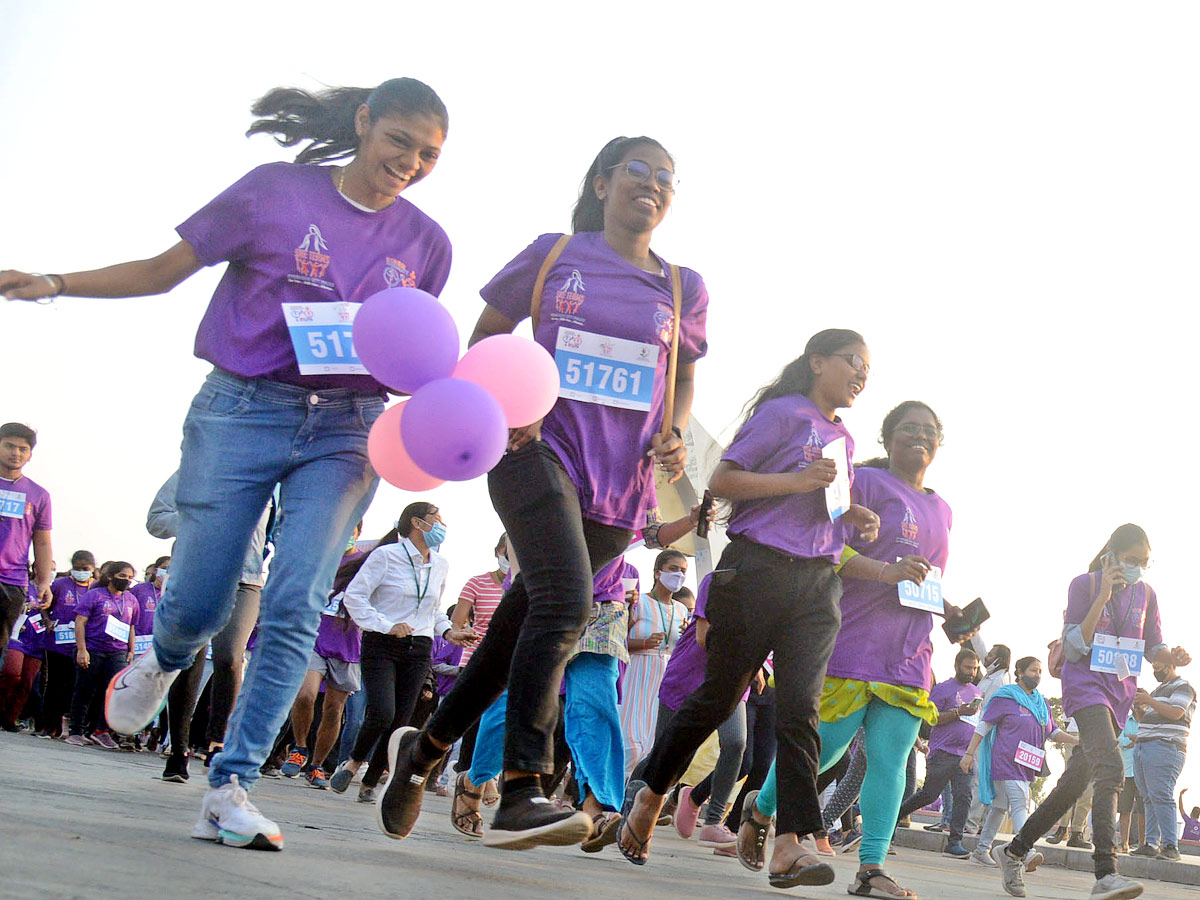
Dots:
pixel 117 629
pixel 1120 656
pixel 323 337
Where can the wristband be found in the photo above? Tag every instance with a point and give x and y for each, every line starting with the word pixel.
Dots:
pixel 678 432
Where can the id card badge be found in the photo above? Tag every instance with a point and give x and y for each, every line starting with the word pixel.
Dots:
pixel 837 495
pixel 1120 656
pixel 64 634
pixel 12 504
pixel 1029 756
pixel 323 337
pixel 331 608
pixel 609 371
pixel 115 628
pixel 37 624
pixel 926 596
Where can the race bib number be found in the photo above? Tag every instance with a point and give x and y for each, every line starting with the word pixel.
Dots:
pixel 837 495
pixel 331 608
pixel 12 504
pixel 142 644
pixel 1120 656
pixel 64 634
pixel 927 595
pixel 36 623
pixel 323 337
pixel 609 371
pixel 117 629
pixel 1029 756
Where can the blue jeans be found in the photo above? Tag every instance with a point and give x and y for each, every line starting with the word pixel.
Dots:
pixel 1156 766
pixel 240 438
pixel 356 706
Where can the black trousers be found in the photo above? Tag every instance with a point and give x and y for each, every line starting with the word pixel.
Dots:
pixel 761 600
pixel 87 702
pixel 60 686
pixel 541 617
pixel 1098 759
pixel 393 672
pixel 12 602
pixel 941 768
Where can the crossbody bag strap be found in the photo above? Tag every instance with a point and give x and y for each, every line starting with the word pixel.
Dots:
pixel 673 360
pixel 535 302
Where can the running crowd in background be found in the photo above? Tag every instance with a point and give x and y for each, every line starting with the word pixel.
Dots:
pixel 793 690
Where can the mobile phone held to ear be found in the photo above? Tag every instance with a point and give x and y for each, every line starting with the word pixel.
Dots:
pixel 974 614
pixel 706 506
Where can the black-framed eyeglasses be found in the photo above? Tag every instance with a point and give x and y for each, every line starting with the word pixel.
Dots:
pixel 639 171
pixel 856 362
pixel 926 431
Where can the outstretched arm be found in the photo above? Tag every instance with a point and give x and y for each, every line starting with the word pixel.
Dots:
pixel 140 278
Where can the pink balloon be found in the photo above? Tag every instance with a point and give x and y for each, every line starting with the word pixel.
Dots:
pixel 454 429
pixel 518 372
pixel 391 461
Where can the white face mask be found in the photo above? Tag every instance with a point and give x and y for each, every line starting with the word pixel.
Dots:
pixel 672 581
pixel 81 575
pixel 502 563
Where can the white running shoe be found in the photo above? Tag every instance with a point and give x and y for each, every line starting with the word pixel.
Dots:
pixel 228 817
pixel 1116 887
pixel 137 694
pixel 983 858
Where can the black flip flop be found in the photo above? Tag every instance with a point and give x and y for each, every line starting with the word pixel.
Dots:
pixel 631 791
pixel 862 886
pixel 798 874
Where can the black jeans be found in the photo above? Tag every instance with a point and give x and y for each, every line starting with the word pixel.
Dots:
pixel 87 703
pixel 60 686
pixel 229 654
pixel 541 617
pixel 12 602
pixel 1097 760
pixel 762 600
pixel 941 768
pixel 393 672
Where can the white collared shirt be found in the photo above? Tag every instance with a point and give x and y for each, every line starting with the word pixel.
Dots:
pixel 395 586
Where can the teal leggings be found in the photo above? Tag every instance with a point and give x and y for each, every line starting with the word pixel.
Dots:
pixel 890 735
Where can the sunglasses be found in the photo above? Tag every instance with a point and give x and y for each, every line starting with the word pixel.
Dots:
pixel 640 172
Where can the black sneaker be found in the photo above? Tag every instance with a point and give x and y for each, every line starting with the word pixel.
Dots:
pixel 400 803
pixel 1147 850
pixel 536 821
pixel 1060 835
pixel 176 770
pixel 1169 851
pixel 1078 842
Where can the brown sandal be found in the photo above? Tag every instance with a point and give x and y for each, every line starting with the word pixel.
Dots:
pixel 752 844
pixel 470 822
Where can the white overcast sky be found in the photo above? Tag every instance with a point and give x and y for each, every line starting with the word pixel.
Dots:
pixel 1001 197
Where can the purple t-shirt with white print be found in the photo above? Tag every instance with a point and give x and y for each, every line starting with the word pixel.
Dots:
pixel 24 509
pixel 1014 724
pixel 880 640
pixel 290 237
pixel 592 290
pixel 787 434
pixel 66 593
pixel 1136 616
pixel 147 595
pixel 954 736
pixel 99 605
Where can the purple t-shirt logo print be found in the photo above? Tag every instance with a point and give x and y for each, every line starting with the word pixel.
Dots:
pixel 908 526
pixel 311 256
pixel 397 274
pixel 570 298
pixel 812 450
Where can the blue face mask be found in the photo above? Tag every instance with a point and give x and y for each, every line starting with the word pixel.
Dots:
pixel 1131 573
pixel 435 536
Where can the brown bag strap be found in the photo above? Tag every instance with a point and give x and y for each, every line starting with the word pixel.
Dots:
pixel 673 360
pixel 535 302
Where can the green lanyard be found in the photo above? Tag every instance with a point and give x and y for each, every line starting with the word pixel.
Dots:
pixel 667 629
pixel 421 592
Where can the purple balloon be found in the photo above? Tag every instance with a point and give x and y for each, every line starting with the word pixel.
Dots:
pixel 406 338
pixel 454 429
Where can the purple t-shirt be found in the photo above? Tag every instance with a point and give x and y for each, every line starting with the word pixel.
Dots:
pixel 339 638
pixel 66 593
pixel 591 288
pixel 880 640
pixel 786 435
pixel 290 237
pixel 24 509
pixel 953 737
pixel 1136 609
pixel 99 605
pixel 685 668
pixel 448 653
pixel 147 595
pixel 1014 723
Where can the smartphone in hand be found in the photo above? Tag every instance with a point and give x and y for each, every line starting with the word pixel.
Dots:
pixel 974 614
pixel 706 506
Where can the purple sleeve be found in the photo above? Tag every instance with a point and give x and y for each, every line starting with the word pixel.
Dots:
pixel 1079 600
pixel 85 604
pixel 757 439
pixel 438 269
pixel 41 521
pixel 997 709
pixel 702 598
pixel 693 336
pixel 941 698
pixel 224 229
pixel 1152 627
pixel 511 289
